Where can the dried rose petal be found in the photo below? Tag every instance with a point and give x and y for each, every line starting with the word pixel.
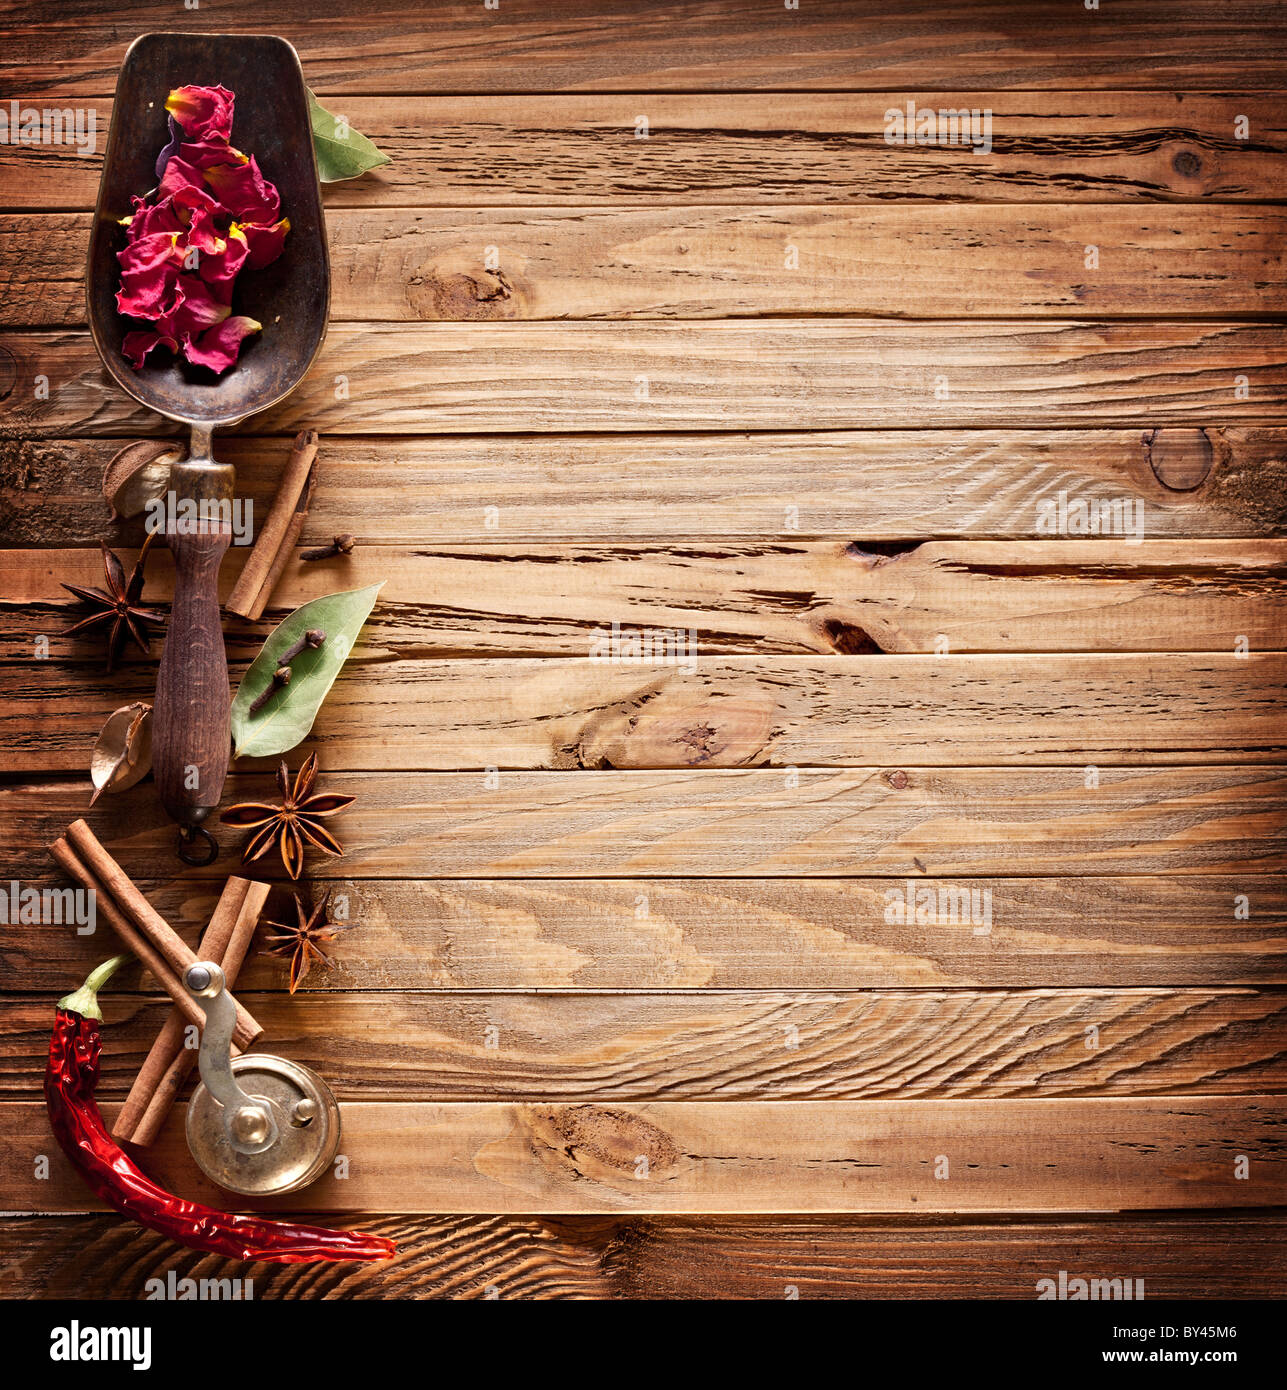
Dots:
pixel 149 219
pixel 244 191
pixel 138 344
pixel 218 347
pixel 198 309
pixel 180 174
pixel 219 268
pixel 149 275
pixel 201 154
pixel 202 111
pixel 264 240
pixel 212 214
pixel 203 235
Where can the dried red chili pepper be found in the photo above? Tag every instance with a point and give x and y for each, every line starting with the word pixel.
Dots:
pixel 113 1176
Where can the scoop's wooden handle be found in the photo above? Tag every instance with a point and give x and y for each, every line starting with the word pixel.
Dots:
pixel 190 721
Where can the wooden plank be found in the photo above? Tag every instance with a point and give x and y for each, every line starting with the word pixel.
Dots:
pixel 738 148
pixel 767 711
pixel 1195 1257
pixel 612 46
pixel 727 1045
pixel 444 378
pixel 875 485
pixel 615 934
pixel 729 823
pixel 749 1156
pixel 1120 594
pixel 404 265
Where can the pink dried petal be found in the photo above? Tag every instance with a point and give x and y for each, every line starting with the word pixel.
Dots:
pixel 149 273
pixel 138 344
pixel 202 111
pixel 219 346
pixel 151 219
pixel 219 269
pixel 201 154
pixel 265 241
pixel 244 192
pixel 202 232
pixel 191 198
pixel 179 174
pixel 198 309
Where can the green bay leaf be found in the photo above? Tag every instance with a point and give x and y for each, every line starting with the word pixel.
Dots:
pixel 342 152
pixel 289 715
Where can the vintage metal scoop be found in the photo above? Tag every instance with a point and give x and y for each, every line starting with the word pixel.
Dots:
pixel 190 740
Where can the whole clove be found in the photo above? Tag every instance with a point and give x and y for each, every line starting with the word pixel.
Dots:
pixel 341 545
pixel 311 640
pixel 281 679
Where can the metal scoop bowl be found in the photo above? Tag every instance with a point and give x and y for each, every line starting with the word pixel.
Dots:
pixel 290 297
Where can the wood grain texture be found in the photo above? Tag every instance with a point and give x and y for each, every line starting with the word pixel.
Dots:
pixel 1240 1256
pixel 645 993
pixel 910 261
pixel 617 934
pixel 732 712
pixel 444 378
pixel 612 46
pixel 748 1156
pixel 731 823
pixel 944 598
pixel 726 1046
pixel 876 485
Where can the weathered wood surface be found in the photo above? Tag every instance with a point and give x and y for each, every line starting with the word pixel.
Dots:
pixel 731 823
pixel 937 597
pixel 620 934
pixel 613 46
pixel 910 261
pixel 876 485
pixel 680 933
pixel 726 1045
pixel 1194 1256
pixel 727 712
pixel 1101 1154
pixel 727 149
pixel 444 378
pixel 730 148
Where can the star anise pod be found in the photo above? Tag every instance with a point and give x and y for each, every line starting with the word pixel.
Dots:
pixel 302 942
pixel 297 819
pixel 119 605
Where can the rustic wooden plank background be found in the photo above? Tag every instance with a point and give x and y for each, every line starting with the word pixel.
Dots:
pixel 765 378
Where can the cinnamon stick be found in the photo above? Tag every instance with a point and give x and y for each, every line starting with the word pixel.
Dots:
pixel 214 943
pixel 279 533
pixel 226 941
pixel 149 923
pixel 104 906
pixel 290 539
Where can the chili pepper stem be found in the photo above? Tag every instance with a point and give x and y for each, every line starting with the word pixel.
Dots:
pixel 84 1001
